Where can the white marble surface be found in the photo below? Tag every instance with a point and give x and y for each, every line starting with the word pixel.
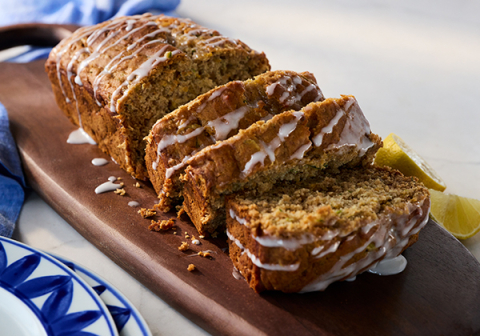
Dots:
pixel 413 66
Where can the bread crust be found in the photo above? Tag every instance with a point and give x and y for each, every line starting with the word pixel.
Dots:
pixel 116 79
pixel 345 247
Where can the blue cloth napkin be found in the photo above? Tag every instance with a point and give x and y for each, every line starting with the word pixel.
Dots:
pixel 81 12
pixel 11 178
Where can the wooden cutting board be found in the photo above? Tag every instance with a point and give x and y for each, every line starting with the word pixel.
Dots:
pixel 438 293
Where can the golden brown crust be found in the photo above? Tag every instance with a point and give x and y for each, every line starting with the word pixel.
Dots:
pixel 401 209
pixel 217 115
pixel 250 161
pixel 133 70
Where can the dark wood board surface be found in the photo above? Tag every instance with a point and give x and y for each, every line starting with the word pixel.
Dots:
pixel 438 293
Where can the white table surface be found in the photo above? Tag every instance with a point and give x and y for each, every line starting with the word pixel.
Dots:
pixel 414 67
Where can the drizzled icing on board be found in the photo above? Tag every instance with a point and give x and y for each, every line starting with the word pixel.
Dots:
pixel 79 137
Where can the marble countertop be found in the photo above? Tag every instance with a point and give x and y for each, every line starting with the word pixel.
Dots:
pixel 413 67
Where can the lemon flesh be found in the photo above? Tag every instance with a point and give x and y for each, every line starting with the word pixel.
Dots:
pixel 397 154
pixel 458 215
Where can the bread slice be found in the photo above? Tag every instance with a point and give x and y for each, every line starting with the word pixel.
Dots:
pixel 117 78
pixel 291 146
pixel 216 116
pixel 302 237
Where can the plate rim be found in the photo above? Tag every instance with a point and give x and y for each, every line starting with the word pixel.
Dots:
pixel 98 301
pixel 118 294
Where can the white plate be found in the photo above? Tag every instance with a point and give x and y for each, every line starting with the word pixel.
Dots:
pixel 41 296
pixel 128 320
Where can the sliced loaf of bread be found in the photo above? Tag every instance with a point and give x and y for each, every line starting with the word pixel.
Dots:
pixel 117 78
pixel 216 116
pixel 291 146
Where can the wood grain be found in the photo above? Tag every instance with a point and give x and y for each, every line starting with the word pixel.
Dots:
pixel 438 293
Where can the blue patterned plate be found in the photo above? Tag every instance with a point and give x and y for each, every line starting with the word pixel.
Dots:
pixel 128 320
pixel 41 296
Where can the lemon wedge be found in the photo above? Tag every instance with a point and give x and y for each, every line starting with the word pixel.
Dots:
pixel 458 215
pixel 397 154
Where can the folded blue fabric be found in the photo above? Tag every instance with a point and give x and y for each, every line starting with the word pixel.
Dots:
pixel 81 12
pixel 11 178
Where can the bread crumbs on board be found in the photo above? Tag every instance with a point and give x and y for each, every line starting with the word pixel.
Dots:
pixel 163 225
pixel 184 247
pixel 146 213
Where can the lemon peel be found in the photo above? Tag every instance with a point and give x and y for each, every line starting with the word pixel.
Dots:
pixel 458 215
pixel 397 154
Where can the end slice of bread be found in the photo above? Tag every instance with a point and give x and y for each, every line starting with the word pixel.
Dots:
pixel 301 237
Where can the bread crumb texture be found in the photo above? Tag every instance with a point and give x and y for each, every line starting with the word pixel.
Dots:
pixel 346 199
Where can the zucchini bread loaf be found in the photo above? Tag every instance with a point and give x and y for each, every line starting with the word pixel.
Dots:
pixel 218 115
pixel 302 237
pixel 291 146
pixel 116 79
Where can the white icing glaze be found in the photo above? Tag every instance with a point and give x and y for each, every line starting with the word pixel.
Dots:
pixel 142 71
pixel 318 252
pixel 256 261
pixel 79 137
pixel 96 52
pixel 169 172
pixel 389 243
pixel 133 204
pixel 300 152
pixel 233 215
pixel 290 244
pixel 171 139
pixel 225 124
pixel 355 131
pixel 185 123
pixel 218 40
pixel 390 266
pixel 318 139
pixel 112 178
pixel 290 95
pixel 113 64
pixel 93 33
pixel 99 162
pixel 107 186
pixel 70 75
pixel 286 129
pixel 130 24
pixel 269 149
pixel 258 157
pixel 236 274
